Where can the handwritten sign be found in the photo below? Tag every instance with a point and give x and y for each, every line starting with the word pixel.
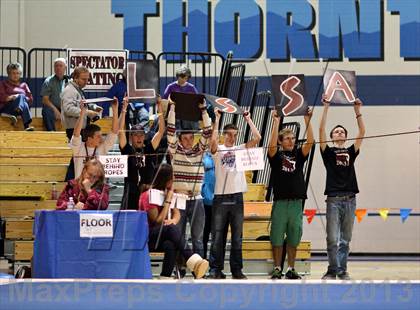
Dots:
pixel 289 94
pixel 249 159
pixel 115 166
pixel 96 225
pixel 340 86
pixel 142 80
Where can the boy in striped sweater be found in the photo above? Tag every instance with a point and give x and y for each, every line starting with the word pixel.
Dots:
pixel 187 162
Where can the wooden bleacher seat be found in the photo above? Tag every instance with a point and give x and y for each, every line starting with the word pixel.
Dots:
pixel 15 209
pixel 256 226
pixel 23 250
pixel 19 229
pixel 33 190
pixel 32 173
pixel 104 123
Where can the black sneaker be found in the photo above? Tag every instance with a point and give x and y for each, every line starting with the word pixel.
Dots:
pixel 329 276
pixel 292 274
pixel 276 274
pixel 238 276
pixel 343 276
pixel 217 275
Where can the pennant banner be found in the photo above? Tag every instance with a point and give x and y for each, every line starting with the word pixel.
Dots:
pixel 289 94
pixel 404 213
pixel 340 86
pixel 384 213
pixel 142 80
pixel 225 105
pixel 310 213
pixel 360 214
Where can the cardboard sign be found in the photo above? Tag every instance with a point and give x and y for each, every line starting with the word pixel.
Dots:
pixel 340 86
pixel 99 100
pixel 225 105
pixel 187 105
pixel 106 67
pixel 115 166
pixel 289 94
pixel 142 80
pixel 96 225
pixel 250 159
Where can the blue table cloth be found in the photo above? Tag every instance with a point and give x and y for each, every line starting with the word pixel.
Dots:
pixel 59 252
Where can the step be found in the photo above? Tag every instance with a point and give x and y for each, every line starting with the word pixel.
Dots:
pixel 38 190
pixel 19 229
pixel 31 172
pixel 22 208
pixel 39 139
pixel 262 250
pixel 104 123
pixel 35 155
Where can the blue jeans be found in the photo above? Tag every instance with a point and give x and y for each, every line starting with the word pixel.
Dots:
pixel 340 220
pixel 228 209
pixel 194 213
pixel 48 118
pixel 21 104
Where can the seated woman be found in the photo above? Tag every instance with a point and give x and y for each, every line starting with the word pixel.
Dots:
pixel 164 235
pixel 89 191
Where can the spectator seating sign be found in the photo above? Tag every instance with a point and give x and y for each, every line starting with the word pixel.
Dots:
pixel 106 67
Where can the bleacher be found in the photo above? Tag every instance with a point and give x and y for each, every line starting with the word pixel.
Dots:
pixel 33 163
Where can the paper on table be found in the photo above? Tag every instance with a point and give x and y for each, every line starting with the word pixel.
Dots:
pixel 100 99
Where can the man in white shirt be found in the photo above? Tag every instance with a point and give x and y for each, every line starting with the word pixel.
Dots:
pixel 94 145
pixel 228 203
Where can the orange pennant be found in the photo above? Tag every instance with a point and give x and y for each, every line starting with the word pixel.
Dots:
pixel 360 213
pixel 310 213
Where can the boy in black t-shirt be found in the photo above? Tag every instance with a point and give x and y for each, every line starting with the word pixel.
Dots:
pixel 141 167
pixel 341 189
pixel 289 192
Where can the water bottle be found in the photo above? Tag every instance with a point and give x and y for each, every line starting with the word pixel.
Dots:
pixel 70 204
pixel 54 193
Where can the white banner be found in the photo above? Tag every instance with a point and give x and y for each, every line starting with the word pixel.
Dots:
pixel 96 225
pixel 106 67
pixel 115 166
pixel 250 159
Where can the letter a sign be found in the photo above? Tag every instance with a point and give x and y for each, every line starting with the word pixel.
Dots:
pixel 340 86
pixel 289 94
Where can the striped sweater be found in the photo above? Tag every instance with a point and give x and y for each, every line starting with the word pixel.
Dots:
pixel 188 164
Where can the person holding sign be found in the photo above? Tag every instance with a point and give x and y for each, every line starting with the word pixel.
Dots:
pixel 188 174
pixel 341 189
pixel 93 145
pixel 141 167
pixel 71 97
pixel 164 234
pixel 89 191
pixel 228 202
pixel 289 192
